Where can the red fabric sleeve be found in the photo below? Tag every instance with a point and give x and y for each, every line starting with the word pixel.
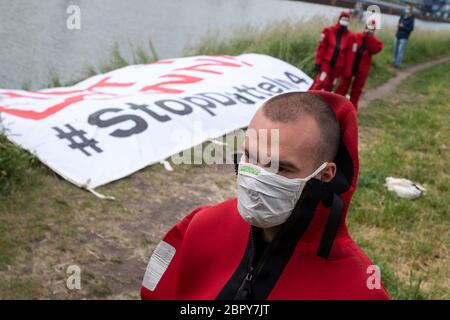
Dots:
pixel 374 45
pixel 322 46
pixel 166 283
pixel 350 55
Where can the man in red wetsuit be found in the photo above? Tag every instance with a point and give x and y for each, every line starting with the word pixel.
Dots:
pixel 332 52
pixel 284 236
pixel 358 66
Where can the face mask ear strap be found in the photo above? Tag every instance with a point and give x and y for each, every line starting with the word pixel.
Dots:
pixel 236 158
pixel 318 170
pixel 331 228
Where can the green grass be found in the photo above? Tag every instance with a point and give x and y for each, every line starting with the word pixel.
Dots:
pixel 17 167
pixel 292 42
pixel 116 60
pixel 296 43
pixel 408 238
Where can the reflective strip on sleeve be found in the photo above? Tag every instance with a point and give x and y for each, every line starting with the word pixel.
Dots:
pixel 355 47
pixel 158 264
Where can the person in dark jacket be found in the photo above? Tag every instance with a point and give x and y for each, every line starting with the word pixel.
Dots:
pixel 358 66
pixel 404 28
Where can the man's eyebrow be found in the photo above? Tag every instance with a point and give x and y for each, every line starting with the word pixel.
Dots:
pixel 282 163
pixel 287 164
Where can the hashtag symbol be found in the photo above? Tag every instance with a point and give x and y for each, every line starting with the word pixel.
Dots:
pixel 78 139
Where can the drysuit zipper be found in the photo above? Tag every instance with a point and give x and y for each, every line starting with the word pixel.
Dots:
pixel 245 290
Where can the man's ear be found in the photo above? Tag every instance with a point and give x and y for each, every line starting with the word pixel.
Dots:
pixel 328 172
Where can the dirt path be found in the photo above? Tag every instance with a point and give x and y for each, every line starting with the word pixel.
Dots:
pixel 391 85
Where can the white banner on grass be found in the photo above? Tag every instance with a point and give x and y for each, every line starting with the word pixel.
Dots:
pixel 111 125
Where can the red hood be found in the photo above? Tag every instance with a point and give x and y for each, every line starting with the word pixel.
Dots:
pixel 343 184
pixel 347 159
pixel 342 14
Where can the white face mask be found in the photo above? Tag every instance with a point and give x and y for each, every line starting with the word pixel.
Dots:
pixel 266 199
pixel 343 22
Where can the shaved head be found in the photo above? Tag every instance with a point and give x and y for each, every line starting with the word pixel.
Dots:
pixel 290 107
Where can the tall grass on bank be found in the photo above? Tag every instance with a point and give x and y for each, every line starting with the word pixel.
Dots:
pixel 16 166
pixel 296 43
pixel 116 60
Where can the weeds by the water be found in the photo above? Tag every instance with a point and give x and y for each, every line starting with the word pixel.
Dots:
pixel 296 43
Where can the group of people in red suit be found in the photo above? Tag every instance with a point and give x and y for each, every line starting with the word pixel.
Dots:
pixel 343 58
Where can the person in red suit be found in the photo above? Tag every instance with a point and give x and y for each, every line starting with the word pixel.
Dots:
pixel 358 65
pixel 284 236
pixel 332 52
